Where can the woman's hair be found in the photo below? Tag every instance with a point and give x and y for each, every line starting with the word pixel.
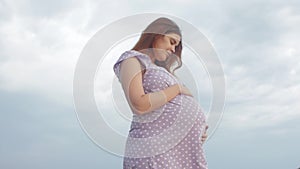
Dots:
pixel 161 27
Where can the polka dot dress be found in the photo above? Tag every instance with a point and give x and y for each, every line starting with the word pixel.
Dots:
pixel 169 137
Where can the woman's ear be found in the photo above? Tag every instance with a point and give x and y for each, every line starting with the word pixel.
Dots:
pixel 158 36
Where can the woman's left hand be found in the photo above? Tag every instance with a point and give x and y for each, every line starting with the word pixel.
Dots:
pixel 204 136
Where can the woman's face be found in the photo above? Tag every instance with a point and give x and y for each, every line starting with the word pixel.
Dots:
pixel 165 45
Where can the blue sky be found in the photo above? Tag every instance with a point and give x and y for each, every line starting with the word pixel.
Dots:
pixel 256 41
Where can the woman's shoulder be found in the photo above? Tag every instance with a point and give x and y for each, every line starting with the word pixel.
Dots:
pixel 134 53
pixel 142 58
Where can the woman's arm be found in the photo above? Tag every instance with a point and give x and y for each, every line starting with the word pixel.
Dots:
pixel 131 80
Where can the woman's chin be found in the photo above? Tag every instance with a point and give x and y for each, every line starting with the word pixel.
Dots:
pixel 162 59
pixel 159 62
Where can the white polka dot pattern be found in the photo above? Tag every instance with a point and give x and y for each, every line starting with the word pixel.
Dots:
pixel 169 137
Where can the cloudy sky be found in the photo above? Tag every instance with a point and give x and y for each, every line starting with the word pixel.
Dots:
pixel 257 43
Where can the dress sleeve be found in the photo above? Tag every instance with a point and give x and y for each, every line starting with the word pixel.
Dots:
pixel 143 59
pixel 145 102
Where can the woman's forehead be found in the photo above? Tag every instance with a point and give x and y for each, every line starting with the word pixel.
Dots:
pixel 174 36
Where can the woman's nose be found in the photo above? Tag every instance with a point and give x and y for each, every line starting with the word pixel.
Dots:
pixel 173 48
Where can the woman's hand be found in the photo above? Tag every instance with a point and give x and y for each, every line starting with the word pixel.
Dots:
pixel 204 136
pixel 184 90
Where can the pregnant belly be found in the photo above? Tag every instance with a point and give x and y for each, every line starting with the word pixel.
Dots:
pixel 184 103
pixel 179 117
pixel 181 113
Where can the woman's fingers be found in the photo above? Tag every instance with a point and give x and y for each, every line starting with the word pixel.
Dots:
pixel 204 136
pixel 185 90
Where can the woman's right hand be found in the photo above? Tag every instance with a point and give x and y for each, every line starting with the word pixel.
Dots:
pixel 184 90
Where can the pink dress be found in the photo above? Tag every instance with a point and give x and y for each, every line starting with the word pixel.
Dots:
pixel 169 137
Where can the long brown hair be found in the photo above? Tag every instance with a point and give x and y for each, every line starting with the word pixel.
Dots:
pixel 161 27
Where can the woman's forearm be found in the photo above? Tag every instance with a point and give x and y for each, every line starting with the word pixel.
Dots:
pixel 155 100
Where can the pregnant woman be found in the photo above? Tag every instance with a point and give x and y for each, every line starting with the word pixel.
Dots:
pixel 168 127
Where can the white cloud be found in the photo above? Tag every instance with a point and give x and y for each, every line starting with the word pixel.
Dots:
pixel 48 43
pixel 39 54
pixel 266 91
pixel 257 42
